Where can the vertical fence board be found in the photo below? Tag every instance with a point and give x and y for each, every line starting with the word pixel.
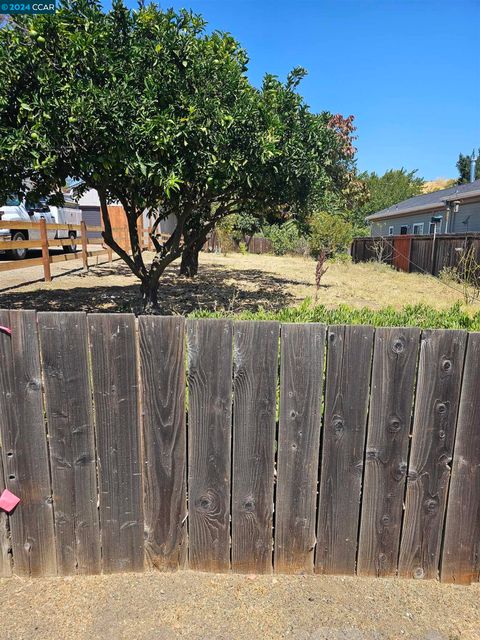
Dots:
pixel 254 419
pixel 461 548
pixel 209 439
pixel 49 459
pixel 417 253
pixel 24 441
pixel 114 372
pixel 164 435
pixel 5 544
pixel 393 384
pixel 68 401
pixel 349 358
pixel 302 349
pixel 437 396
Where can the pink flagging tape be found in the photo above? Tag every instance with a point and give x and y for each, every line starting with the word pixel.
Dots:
pixel 5 330
pixel 8 501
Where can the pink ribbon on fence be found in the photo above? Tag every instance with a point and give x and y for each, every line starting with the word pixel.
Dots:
pixel 5 330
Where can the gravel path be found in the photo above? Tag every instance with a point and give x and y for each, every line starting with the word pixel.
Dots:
pixel 156 606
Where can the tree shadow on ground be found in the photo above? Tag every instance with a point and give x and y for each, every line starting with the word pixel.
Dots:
pixel 216 288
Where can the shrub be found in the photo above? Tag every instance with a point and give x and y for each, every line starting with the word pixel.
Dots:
pixel 449 275
pixel 419 315
pixel 341 258
pixel 329 233
pixel 224 231
pixel 286 238
pixel 466 274
pixel 469 275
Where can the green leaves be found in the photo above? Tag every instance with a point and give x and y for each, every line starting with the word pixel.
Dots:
pixel 392 187
pixel 329 233
pixel 158 114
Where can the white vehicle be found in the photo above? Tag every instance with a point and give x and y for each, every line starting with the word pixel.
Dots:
pixel 15 210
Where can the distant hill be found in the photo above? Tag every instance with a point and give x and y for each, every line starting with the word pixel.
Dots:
pixel 437 184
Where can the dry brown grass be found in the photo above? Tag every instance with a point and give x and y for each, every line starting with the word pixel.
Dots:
pixel 235 282
pixel 357 285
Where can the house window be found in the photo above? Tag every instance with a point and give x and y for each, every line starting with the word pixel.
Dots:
pixel 390 231
pixel 403 230
pixel 418 229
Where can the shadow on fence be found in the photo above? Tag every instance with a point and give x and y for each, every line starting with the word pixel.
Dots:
pixel 377 475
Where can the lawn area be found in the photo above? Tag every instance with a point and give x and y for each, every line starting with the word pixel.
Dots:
pixel 233 283
pixel 356 285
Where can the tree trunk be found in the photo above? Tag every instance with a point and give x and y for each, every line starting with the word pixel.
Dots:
pixel 149 297
pixel 189 264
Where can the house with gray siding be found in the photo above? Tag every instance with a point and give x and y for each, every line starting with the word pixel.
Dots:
pixel 452 210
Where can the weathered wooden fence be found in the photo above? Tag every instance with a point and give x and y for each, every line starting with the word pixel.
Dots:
pixel 250 446
pixel 254 244
pixel 422 254
pixel 259 245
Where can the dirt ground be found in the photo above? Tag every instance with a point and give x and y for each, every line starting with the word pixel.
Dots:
pixel 233 282
pixel 156 606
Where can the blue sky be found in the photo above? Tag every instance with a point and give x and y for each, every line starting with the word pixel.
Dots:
pixel 409 70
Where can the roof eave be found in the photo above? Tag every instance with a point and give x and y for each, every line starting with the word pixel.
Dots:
pixel 410 210
pixel 462 196
pixel 426 207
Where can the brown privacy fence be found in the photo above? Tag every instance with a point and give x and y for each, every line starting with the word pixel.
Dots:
pixel 253 244
pixel 295 448
pixel 256 244
pixel 422 254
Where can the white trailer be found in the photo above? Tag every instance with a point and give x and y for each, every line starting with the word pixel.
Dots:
pixel 15 210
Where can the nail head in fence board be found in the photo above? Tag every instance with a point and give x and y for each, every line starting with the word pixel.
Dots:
pixel 254 421
pixel 114 373
pixel 164 436
pixel 437 396
pixel 301 376
pixel 391 398
pixel 349 360
pixel 5 545
pixel 461 547
pixel 68 401
pixel 24 441
pixel 209 443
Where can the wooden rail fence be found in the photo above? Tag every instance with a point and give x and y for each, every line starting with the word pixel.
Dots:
pixel 417 254
pixel 45 244
pixel 82 239
pixel 250 446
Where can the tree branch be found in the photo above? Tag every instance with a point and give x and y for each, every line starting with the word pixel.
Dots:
pixel 108 235
pixel 132 218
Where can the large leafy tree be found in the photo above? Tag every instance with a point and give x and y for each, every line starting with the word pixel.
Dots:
pixel 349 192
pixel 151 111
pixel 393 186
pixel 464 167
